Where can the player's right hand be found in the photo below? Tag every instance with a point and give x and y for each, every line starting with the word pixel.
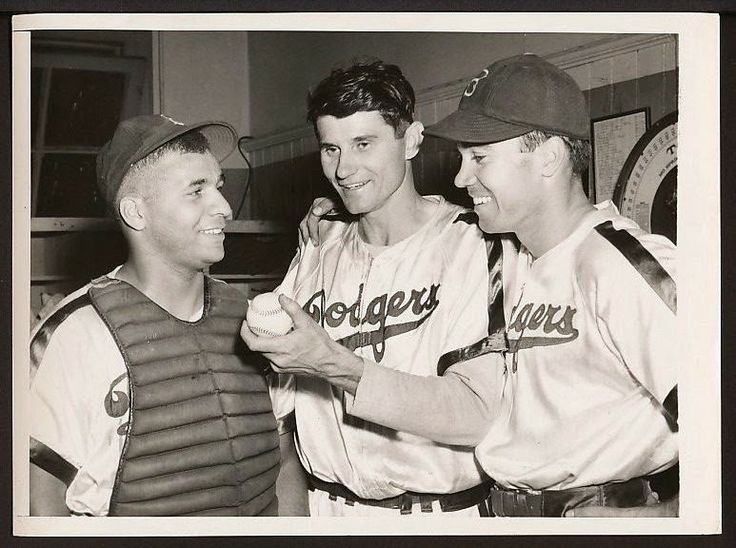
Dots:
pixel 308 227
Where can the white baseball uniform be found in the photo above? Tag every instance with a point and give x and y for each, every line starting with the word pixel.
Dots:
pixel 594 322
pixel 401 307
pixel 585 396
pixel 77 410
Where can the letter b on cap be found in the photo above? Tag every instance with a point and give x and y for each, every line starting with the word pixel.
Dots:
pixel 473 84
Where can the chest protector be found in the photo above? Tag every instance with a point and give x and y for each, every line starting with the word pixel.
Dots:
pixel 201 438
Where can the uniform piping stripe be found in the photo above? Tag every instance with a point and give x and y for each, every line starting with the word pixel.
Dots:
pixel 643 261
pixel 41 339
pixel 286 424
pixel 496 340
pixel 47 459
pixel 670 405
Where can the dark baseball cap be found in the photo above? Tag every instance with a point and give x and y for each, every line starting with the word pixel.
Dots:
pixel 136 138
pixel 512 97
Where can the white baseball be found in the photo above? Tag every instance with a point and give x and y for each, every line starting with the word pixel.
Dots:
pixel 266 318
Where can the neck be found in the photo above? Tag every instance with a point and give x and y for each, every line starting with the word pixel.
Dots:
pixel 557 218
pixel 177 290
pixel 403 214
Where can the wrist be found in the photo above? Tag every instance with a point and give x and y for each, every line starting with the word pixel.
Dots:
pixel 344 370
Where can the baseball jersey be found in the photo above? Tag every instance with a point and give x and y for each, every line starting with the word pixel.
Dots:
pixel 593 360
pixel 400 307
pixel 79 400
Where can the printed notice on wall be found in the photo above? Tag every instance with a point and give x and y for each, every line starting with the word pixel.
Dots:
pixel 613 139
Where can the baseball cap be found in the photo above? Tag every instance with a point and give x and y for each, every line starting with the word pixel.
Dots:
pixel 512 97
pixel 136 138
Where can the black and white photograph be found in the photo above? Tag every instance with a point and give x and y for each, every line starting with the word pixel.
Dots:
pixel 374 267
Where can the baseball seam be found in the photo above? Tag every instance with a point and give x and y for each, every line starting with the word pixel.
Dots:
pixel 267 312
pixel 262 331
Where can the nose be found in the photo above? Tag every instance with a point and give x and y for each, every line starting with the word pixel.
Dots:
pixel 464 177
pixel 220 206
pixel 345 166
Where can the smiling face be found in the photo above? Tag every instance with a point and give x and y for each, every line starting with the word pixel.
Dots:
pixel 503 182
pixel 363 159
pixel 184 211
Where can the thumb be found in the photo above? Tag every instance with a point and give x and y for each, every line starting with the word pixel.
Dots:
pixel 292 308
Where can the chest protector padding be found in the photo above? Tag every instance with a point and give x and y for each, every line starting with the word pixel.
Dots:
pixel 201 439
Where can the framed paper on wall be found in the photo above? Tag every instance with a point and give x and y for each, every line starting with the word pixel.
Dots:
pixel 613 138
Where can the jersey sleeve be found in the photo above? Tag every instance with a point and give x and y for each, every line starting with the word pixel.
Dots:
pixel 633 293
pixel 59 409
pixel 455 408
pixel 282 389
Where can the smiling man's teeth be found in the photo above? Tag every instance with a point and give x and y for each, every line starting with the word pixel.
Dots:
pixel 356 185
pixel 212 231
pixel 482 200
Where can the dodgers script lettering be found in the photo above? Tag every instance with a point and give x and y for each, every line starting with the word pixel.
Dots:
pixel 419 302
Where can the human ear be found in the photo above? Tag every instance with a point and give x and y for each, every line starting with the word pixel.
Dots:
pixel 554 156
pixel 413 138
pixel 131 212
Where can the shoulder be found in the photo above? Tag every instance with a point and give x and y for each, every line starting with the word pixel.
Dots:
pixel 65 312
pixel 73 327
pixel 458 223
pixel 617 253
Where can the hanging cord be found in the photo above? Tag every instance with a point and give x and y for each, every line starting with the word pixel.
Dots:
pixel 248 170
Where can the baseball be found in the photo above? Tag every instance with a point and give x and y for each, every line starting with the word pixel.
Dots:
pixel 266 318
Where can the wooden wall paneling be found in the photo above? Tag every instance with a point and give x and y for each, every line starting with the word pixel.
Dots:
pixel 625 96
pixel 650 60
pixel 669 91
pixel 624 67
pixel 600 101
pixel 651 94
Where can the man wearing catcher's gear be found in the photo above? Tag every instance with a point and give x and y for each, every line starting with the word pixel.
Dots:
pixel 583 393
pixel 144 401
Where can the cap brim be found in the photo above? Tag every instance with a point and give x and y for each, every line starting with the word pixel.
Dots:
pixel 470 127
pixel 221 139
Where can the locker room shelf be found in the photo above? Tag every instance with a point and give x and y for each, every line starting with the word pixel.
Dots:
pixel 87 224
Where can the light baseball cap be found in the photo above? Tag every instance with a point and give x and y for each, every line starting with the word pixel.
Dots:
pixel 512 97
pixel 136 138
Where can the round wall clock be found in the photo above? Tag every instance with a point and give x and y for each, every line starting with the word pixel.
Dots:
pixel 646 190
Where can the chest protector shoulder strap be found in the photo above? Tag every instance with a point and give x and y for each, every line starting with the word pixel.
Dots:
pixel 202 436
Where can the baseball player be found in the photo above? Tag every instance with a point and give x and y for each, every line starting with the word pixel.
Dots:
pixel 144 401
pixel 396 288
pixel 585 408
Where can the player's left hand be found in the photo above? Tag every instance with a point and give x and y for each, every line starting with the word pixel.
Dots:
pixel 307 350
pixel 652 509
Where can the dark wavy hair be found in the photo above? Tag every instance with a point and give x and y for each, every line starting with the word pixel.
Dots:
pixel 364 87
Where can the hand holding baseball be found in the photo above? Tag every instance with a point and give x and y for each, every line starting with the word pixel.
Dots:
pixel 306 350
pixel 266 318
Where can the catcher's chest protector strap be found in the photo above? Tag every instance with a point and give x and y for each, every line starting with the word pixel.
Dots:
pixel 202 436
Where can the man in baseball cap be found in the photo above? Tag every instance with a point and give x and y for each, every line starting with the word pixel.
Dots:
pixel 584 409
pixel 590 406
pixel 144 402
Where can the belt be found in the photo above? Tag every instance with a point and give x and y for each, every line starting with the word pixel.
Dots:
pixel 450 502
pixel 522 503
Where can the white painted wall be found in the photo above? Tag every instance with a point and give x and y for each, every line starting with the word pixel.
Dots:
pixel 204 76
pixel 283 65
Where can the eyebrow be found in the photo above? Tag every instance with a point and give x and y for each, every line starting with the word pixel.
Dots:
pixel 356 139
pixel 200 182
